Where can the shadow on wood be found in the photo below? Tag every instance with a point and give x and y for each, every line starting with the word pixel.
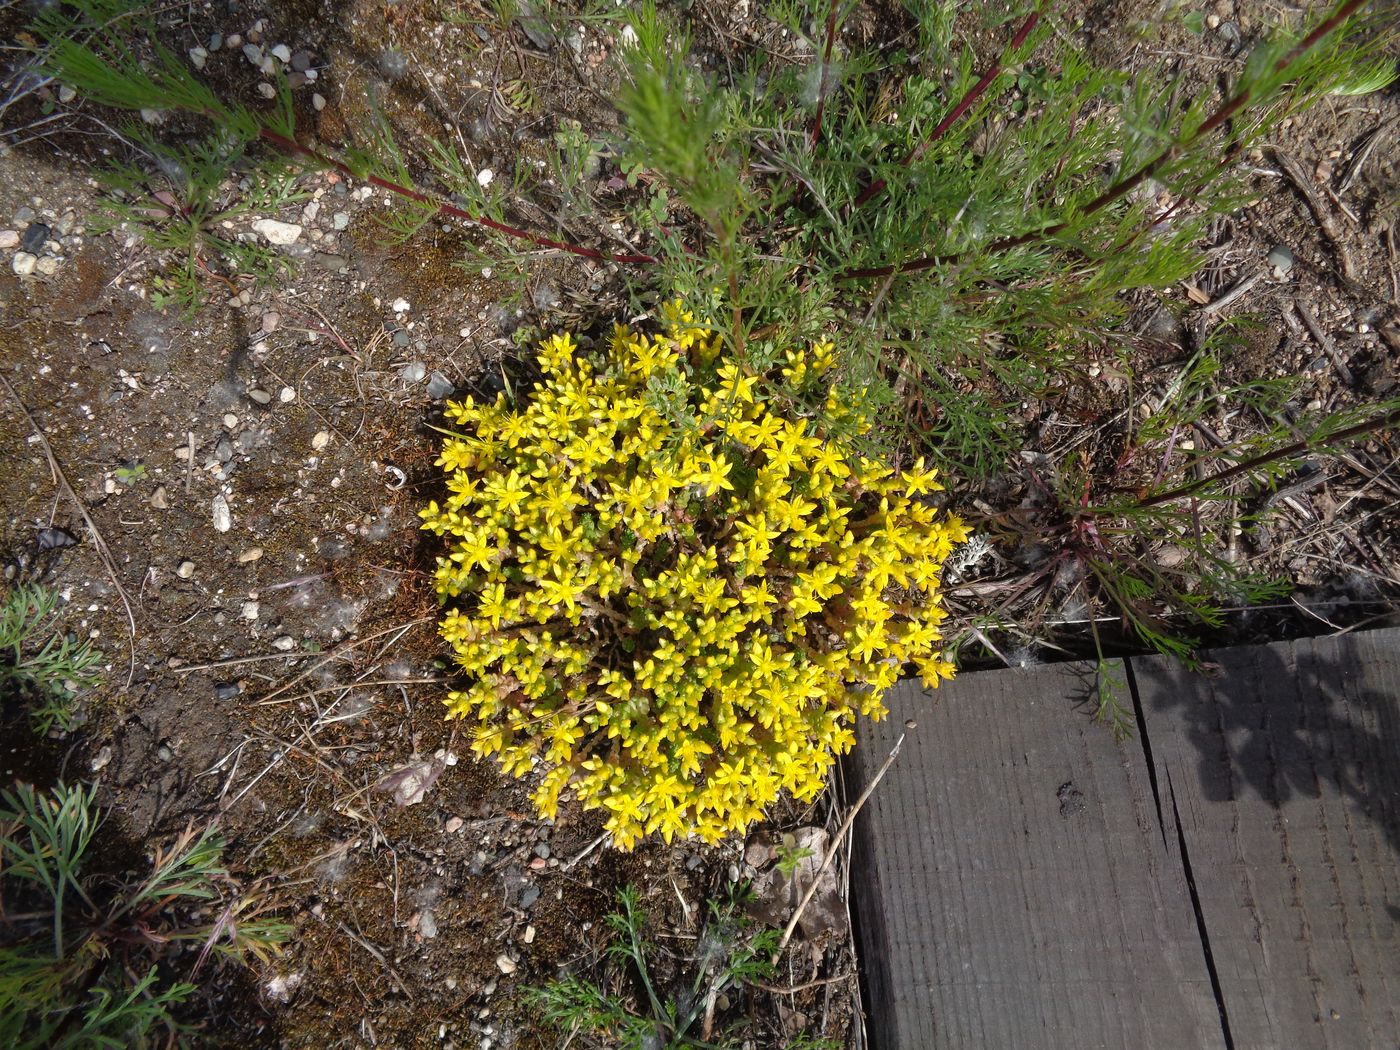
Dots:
pixel 1229 878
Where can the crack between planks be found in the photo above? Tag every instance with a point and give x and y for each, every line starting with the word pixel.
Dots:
pixel 1146 742
pixel 1201 929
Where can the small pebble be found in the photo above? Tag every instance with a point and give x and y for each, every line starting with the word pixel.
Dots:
pixel 67 93
pixel 230 420
pixel 286 395
pixel 529 936
pixel 275 232
pixel 301 61
pixel 159 498
pixel 259 395
pixel 282 53
pixel 400 306
pixel 250 610
pixel 270 321
pixel 485 176
pixel 505 964
pixel 227 690
pixel 427 925
pixel 9 238
pixel 251 554
pixel 284 644
pixel 439 386
pixel 24 263
pixel 413 372
pixel 47 265
pixel 185 570
pixel 253 54
pixel 340 220
pixel 198 56
pixel 266 90
pixel 453 825
pixel 223 518
pixel 318 102
pixel 1281 258
pixel 321 440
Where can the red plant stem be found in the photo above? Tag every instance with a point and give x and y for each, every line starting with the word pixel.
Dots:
pixel 964 104
pixel 1227 109
pixel 1390 419
pixel 289 145
pixel 826 66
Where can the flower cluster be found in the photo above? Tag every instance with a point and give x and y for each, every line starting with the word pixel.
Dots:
pixel 675 608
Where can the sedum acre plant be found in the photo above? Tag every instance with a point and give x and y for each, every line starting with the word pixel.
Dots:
pixel 671 598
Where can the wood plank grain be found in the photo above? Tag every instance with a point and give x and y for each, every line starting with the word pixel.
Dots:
pixel 1285 770
pixel 1014 887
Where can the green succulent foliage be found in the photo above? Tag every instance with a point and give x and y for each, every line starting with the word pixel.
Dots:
pixel 47 667
pixel 81 966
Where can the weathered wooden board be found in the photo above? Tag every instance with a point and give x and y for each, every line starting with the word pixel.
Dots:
pixel 1013 886
pixel 1284 769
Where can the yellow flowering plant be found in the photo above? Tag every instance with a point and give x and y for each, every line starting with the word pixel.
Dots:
pixel 672 601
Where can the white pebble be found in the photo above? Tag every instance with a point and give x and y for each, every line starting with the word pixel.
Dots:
pixel 223 517
pixel 284 644
pixel 250 610
pixel 276 232
pixel 9 238
pixel 251 554
pixel 230 420
pixel 400 306
pixel 282 53
pixel 318 102
pixel 186 569
pixel 484 177
pixel 321 440
pixel 47 265
pixel 505 963
pixel 198 56
pixel 267 90
pixel 286 395
pixel 24 263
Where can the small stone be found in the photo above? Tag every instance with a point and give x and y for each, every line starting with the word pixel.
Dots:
pixel 223 518
pixel 413 372
pixel 529 894
pixel 285 644
pixel 542 850
pixel 439 386
pixel 34 236
pixel 164 753
pixel 538 864
pixel 216 41
pixel 321 440
pixel 101 759
pixel 340 220
pixel 333 263
pixel 67 93
pixel 24 263
pixel 400 306
pixel 401 338
pixel 185 569
pixel 286 395
pixel 427 925
pixel 227 690
pixel 1281 258
pixel 301 61
pixel 270 321
pixel 250 610
pixel 282 53
pixel 159 498
pixel 9 238
pixel 275 232
pixel 266 90
pixel 253 54
pixel 25 214
pixel 233 40
pixel 453 825
pixel 47 265
pixel 251 554
pixel 505 964
pixel 529 935
pixel 198 56
pixel 230 420
pixel 484 177
pixel 318 102
pixel 259 395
